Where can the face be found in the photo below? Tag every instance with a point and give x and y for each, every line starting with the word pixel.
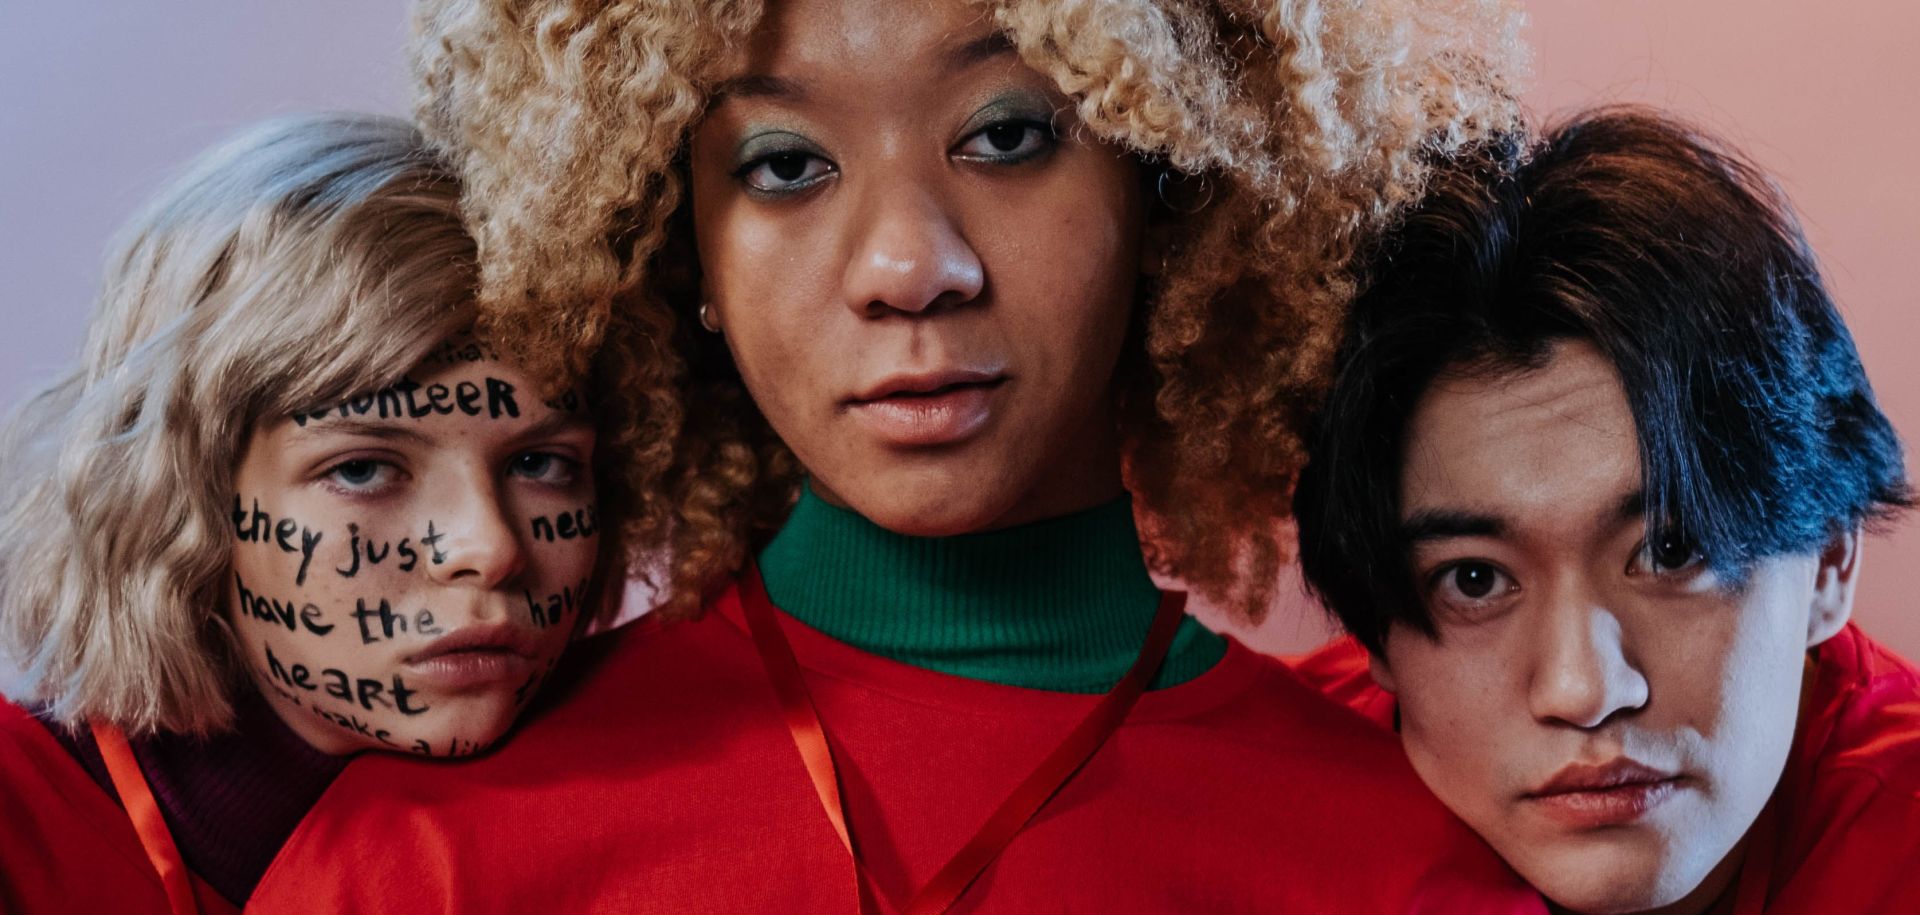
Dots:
pixel 409 564
pixel 1600 706
pixel 923 266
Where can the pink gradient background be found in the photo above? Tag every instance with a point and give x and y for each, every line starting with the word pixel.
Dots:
pixel 100 101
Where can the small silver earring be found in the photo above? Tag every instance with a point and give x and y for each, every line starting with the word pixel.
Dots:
pixel 1196 191
pixel 706 318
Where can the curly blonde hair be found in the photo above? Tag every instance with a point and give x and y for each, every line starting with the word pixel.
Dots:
pixel 1309 123
pixel 307 259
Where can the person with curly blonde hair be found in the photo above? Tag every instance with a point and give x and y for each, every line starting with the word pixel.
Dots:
pixel 942 297
pixel 285 510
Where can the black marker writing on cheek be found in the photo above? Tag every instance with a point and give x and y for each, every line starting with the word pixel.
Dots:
pixel 567 525
pixel 555 607
pixel 375 553
pixel 456 746
pixel 432 542
pixel 368 693
pixel 274 610
pixel 353 724
pixel 390 622
pixel 257 526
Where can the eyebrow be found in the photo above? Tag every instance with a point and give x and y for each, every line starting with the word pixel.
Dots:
pixel 764 86
pixel 1428 525
pixel 758 86
pixel 986 47
pixel 1632 505
pixel 366 427
pixel 553 422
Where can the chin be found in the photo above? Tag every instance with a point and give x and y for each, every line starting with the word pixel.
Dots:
pixel 1597 881
pixel 934 517
pixel 930 501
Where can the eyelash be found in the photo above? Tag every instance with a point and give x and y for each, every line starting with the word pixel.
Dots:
pixel 568 467
pixel 330 478
pixel 1042 129
pixel 1440 577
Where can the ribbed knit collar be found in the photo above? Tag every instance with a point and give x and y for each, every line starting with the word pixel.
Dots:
pixel 1061 604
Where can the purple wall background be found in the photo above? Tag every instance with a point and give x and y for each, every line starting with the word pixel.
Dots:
pixel 100 101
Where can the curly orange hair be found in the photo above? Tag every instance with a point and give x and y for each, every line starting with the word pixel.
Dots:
pixel 1310 124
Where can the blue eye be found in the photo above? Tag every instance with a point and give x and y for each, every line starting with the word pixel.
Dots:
pixel 1008 141
pixel 545 467
pixel 361 476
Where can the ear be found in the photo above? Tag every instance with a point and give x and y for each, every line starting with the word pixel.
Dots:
pixel 1382 674
pixel 1833 585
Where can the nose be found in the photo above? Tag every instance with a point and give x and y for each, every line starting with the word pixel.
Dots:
pixel 909 255
pixel 474 542
pixel 1583 674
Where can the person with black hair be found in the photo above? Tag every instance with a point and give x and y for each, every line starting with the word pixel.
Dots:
pixel 1589 494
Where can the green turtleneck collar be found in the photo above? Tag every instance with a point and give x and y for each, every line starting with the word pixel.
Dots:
pixel 1061 604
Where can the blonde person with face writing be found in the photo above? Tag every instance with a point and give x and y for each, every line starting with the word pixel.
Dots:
pixel 1590 492
pixel 286 510
pixel 957 289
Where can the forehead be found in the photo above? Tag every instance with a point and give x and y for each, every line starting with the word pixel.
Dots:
pixel 1557 442
pixel 461 386
pixel 821 38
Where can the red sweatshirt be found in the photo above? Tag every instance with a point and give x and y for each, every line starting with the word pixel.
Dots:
pixel 65 844
pixel 1842 833
pixel 666 781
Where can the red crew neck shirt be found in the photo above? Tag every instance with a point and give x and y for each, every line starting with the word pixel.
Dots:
pixel 1842 832
pixel 665 780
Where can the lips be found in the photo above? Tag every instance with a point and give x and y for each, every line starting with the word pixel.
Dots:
pixel 472 658
pixel 928 409
pixel 1614 794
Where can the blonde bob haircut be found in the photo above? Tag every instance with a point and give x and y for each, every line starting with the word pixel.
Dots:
pixel 306 259
pixel 1296 128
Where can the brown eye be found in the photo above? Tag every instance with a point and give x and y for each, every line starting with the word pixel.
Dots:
pixel 1006 137
pixel 1008 142
pixel 784 172
pixel 1475 580
pixel 787 168
pixel 1668 553
pixel 1469 585
pixel 1671 551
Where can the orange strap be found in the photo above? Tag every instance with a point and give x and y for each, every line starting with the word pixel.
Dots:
pixel 148 823
pixel 1019 807
pixel 796 705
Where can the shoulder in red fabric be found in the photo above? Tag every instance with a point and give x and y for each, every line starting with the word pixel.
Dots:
pixel 665 780
pixel 66 845
pixel 1843 834
pixel 1339 671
